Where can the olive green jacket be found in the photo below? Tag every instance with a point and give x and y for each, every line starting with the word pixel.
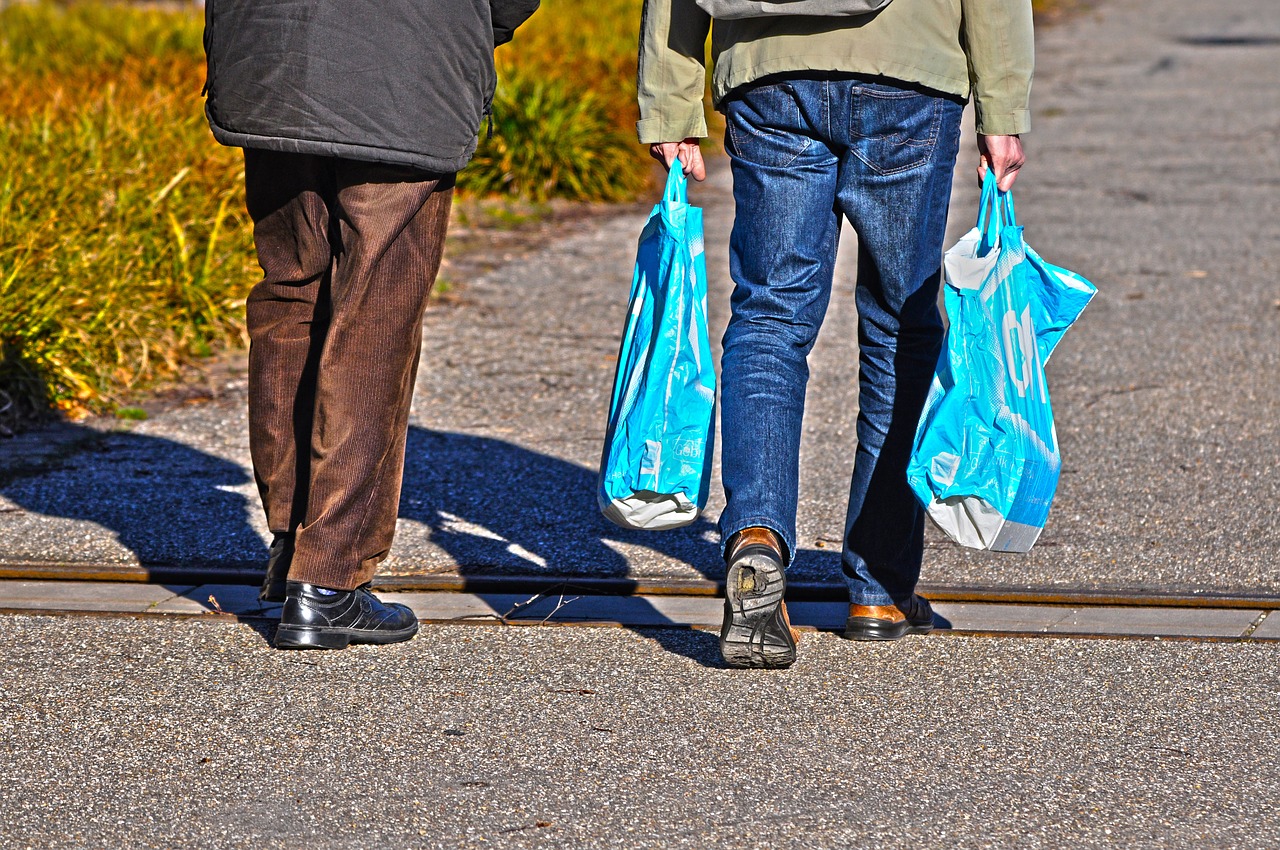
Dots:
pixel 981 48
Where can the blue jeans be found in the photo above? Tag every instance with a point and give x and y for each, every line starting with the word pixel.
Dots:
pixel 804 152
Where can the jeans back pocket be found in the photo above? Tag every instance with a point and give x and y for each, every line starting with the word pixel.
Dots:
pixel 766 125
pixel 894 130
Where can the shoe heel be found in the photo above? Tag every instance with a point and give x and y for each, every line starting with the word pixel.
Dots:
pixel 755 631
pixel 293 637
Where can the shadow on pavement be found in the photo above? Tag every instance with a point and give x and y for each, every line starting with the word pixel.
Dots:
pixel 500 509
pixel 494 507
pixel 497 509
pixel 177 509
pixel 167 503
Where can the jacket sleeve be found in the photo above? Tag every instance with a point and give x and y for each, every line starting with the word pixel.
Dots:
pixel 507 15
pixel 672 76
pixel 999 44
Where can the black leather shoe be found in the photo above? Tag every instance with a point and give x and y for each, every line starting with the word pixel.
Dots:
pixel 889 622
pixel 317 618
pixel 279 557
pixel 756 630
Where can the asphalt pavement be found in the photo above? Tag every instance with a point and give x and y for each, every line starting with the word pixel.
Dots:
pixel 1154 171
pixel 192 734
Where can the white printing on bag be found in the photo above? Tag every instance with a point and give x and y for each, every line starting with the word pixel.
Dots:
pixel 1021 353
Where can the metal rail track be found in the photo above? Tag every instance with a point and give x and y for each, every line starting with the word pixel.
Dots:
pixel 621 586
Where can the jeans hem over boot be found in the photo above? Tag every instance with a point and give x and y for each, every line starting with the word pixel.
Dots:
pixel 726 534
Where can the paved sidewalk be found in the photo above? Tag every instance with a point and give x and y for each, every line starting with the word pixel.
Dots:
pixel 182 734
pixel 1154 171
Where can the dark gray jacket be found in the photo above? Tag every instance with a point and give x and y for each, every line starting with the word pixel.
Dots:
pixel 406 82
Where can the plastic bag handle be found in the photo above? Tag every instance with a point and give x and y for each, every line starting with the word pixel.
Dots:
pixel 995 211
pixel 677 188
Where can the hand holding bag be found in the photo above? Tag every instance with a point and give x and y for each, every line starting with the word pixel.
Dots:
pixel 656 468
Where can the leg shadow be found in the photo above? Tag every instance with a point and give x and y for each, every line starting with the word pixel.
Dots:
pixel 498 509
pixel 171 507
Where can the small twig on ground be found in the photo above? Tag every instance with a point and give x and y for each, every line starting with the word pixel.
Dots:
pixel 532 600
pixel 542 824
pixel 562 602
pixel 511 612
pixel 1132 388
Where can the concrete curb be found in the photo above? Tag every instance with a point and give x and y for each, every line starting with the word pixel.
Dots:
pixel 238 602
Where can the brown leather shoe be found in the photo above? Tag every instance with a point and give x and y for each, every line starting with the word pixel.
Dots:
pixel 889 622
pixel 756 630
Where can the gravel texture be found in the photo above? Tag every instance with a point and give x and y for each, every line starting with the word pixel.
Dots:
pixel 117 732
pixel 1154 170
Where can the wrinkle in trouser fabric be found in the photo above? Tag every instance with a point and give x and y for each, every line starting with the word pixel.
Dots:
pixel 349 252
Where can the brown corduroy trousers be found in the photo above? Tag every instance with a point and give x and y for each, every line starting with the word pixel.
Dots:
pixel 349 251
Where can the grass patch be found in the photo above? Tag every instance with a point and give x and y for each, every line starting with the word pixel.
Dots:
pixel 565 110
pixel 1053 11
pixel 125 250
pixel 550 141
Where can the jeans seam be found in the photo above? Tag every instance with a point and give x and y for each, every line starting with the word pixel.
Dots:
pixel 736 137
pixel 787 164
pixel 826 105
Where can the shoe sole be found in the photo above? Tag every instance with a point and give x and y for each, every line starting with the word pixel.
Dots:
pixel 755 631
pixel 871 628
pixel 310 637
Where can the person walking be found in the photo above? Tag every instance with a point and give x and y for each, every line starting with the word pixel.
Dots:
pixel 846 112
pixel 354 118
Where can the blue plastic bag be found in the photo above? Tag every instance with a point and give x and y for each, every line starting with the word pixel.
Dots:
pixel 656 468
pixel 985 462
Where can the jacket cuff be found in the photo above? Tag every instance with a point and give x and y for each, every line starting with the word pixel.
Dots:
pixel 672 128
pixel 1002 122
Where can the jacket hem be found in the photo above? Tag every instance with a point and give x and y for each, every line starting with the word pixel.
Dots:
pixel 735 75
pixel 363 153
pixel 672 128
pixel 1013 122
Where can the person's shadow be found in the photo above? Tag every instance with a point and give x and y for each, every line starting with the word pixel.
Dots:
pixel 496 509
pixel 179 511
pixel 174 507
pixel 499 509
